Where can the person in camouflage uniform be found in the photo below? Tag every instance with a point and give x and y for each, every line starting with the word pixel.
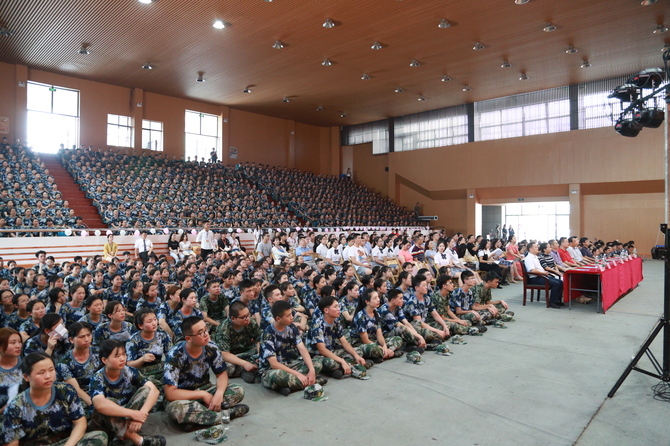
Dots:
pixel 462 301
pixel 488 308
pixel 281 366
pixel 348 303
pixel 249 297
pixel 146 347
pixel 122 396
pixel 272 294
pixel 419 306
pixel 367 334
pixel 79 364
pixel 214 305
pixel 394 322
pixel 441 298
pixel 326 339
pixel 48 413
pixel 192 396
pixel 238 339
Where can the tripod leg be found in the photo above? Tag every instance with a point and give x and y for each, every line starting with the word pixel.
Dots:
pixel 659 325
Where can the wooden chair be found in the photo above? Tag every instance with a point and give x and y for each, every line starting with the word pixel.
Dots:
pixel 532 287
pixel 395 270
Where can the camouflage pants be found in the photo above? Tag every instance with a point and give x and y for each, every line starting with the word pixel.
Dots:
pixel 426 333
pixel 118 425
pixel 454 328
pixel 154 373
pixel 195 412
pixel 402 331
pixel 373 349
pixel 234 370
pixel 330 365
pixel 95 438
pixel 275 379
pixel 486 315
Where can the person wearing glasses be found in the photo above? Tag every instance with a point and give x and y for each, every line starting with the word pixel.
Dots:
pixel 238 339
pixel 193 398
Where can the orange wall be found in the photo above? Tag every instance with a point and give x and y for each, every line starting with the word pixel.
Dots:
pixel 370 169
pixel 7 87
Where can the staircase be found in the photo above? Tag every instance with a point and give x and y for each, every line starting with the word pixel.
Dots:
pixel 83 207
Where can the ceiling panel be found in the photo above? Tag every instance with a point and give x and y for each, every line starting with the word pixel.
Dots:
pixel 177 37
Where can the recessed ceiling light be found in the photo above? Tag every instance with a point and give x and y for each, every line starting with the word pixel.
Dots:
pixel 467 88
pixel 647 2
pixel 326 62
pixel 84 50
pixel 200 78
pixel 246 90
pixel 278 45
pixel 146 2
pixel 421 98
pixel 376 46
pixel 549 27
pixel 328 23
pixel 147 66
pixel 399 90
pixel 660 29
pixel 505 64
pixel 218 24
pixel 446 78
pixel 286 99
pixel 444 24
pixel 524 77
pixel 365 76
pixel 666 47
pixel 586 64
pixel 343 115
pixel 571 50
pixel 478 46
pixel 4 32
pixel 521 2
pixel 319 108
pixel 414 63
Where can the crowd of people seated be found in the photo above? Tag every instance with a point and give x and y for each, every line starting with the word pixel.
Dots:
pixel 326 200
pixel 110 341
pixel 29 197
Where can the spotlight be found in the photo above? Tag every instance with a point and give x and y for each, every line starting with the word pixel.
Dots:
pixel 647 2
pixel 444 24
pixel 4 32
pixel 414 63
pixel 549 27
pixel 365 76
pixel 505 64
pixel 376 46
pixel 521 2
pixel 586 64
pixel 624 93
pixel 278 45
pixel 146 2
pixel 571 50
pixel 446 78
pixel 246 90
pixel 399 90
pixel 649 117
pixel 626 127
pixel 649 78
pixel 319 108
pixel 467 88
pixel 328 23
pixel 286 99
pixel 326 62
pixel 218 24
pixel 524 77
pixel 343 115
pixel 421 98
pixel 147 66
pixel 478 46
pixel 660 29
pixel 200 78
pixel 84 50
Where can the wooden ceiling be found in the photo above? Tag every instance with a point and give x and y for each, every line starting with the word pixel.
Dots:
pixel 177 37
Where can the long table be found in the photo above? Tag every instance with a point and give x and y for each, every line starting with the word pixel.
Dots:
pixel 610 284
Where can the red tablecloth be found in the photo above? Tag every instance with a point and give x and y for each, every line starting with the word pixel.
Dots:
pixel 615 282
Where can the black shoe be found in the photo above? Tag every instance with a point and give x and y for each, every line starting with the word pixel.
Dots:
pixel 504 283
pixel 337 374
pixel 554 306
pixel 284 391
pixel 560 304
pixel 499 287
pixel 322 380
pixel 242 409
pixel 153 440
pixel 377 360
pixel 414 348
pixel 368 364
pixel 482 328
pixel 248 377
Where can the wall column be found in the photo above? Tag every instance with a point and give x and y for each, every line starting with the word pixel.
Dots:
pixel 471 211
pixel 225 135
pixel 137 113
pixel 575 195
pixel 19 128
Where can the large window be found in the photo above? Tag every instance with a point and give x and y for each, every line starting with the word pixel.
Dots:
pixel 53 117
pixel 435 128
pixel 595 108
pixel 202 135
pixel 545 111
pixel 539 221
pixel 375 132
pixel 120 131
pixel 152 135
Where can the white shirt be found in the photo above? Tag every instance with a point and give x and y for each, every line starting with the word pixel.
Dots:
pixel 345 252
pixel 263 249
pixel 322 251
pixel 206 240
pixel 278 254
pixel 139 245
pixel 377 254
pixel 335 254
pixel 576 254
pixel 532 263
pixel 442 259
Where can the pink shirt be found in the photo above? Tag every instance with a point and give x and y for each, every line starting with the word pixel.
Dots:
pixel 405 255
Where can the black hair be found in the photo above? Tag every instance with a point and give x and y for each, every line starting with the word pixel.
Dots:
pixel 236 307
pixel 32 304
pixel 16 297
pixel 316 279
pixel 188 323
pixel 245 284
pixel 416 281
pixel 442 280
pixel 33 358
pixel 111 307
pixel 75 328
pixel 327 291
pixel 402 276
pixel 466 274
pixel 491 276
pixel 49 321
pixel 363 301
pixel 269 290
pixel 108 346
pixel 325 302
pixel 393 294
pixel 90 299
pixel 141 314
pixel 279 308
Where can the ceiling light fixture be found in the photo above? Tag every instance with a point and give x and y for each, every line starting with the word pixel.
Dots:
pixel 246 90
pixel 399 90
pixel 278 45
pixel 549 27
pixel 660 29
pixel 319 108
pixel 376 46
pixel 571 50
pixel 343 115
pixel 147 66
pixel 446 78
pixel 328 23
pixel 84 50
pixel 523 77
pixel 218 24
pixel 521 2
pixel 666 47
pixel 478 46
pixel 444 24
pixel 146 2
pixel 326 62
pixel 421 98
pixel 286 99
pixel 414 63
pixel 647 2
pixel 467 88
pixel 505 64
pixel 365 76
pixel 4 32
pixel 586 64
pixel 200 78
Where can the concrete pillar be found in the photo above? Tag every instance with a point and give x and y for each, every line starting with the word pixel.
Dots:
pixel 471 212
pixel 137 113
pixel 576 200
pixel 19 128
